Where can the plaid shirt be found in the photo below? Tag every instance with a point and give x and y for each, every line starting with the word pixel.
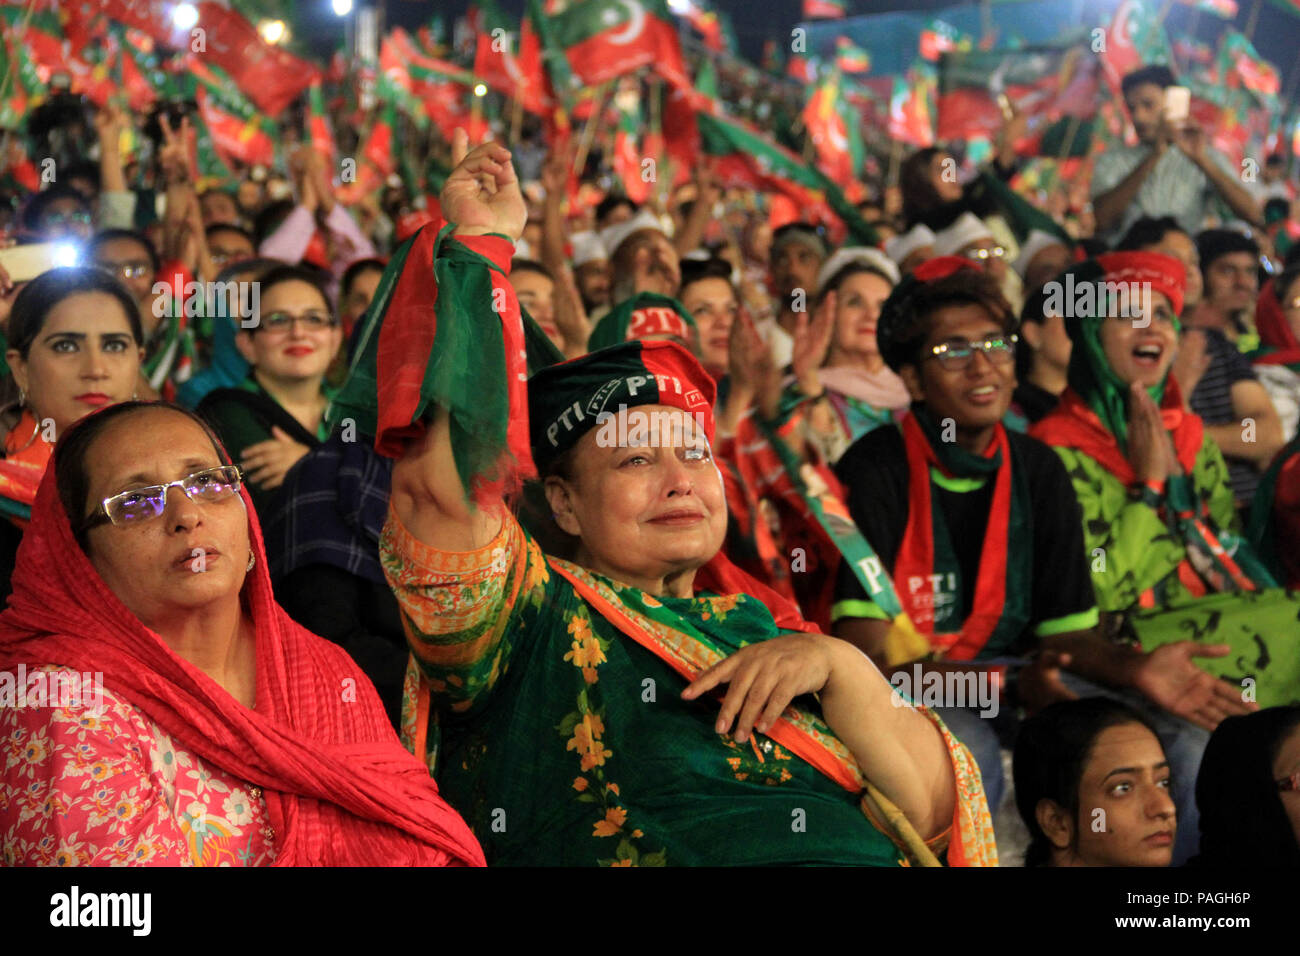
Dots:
pixel 334 507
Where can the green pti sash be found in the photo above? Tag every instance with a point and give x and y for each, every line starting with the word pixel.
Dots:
pixel 904 643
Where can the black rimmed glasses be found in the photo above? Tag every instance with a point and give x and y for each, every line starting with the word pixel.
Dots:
pixel 313 321
pixel 141 504
pixel 957 354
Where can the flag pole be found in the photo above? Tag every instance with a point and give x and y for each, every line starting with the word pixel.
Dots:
pixel 516 114
pixel 1254 19
pixel 589 128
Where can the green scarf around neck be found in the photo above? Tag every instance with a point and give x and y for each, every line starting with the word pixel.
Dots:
pixel 1089 373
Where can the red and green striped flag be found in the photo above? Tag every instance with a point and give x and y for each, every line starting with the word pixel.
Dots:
pixel 425 344
pixel 850 57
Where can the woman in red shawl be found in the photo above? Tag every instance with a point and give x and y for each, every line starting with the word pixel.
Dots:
pixel 157 706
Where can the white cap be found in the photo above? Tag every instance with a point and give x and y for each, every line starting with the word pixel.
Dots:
pixel 900 247
pixel 612 236
pixel 1036 242
pixel 587 247
pixel 863 254
pixel 965 229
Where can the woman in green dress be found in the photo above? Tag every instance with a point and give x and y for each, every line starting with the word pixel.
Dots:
pixel 277 414
pixel 579 699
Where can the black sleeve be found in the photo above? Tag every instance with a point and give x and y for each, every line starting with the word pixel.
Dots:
pixel 1062 584
pixel 360 616
pixel 10 538
pixel 874 474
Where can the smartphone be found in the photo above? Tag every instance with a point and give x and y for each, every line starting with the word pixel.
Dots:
pixel 24 263
pixel 1178 104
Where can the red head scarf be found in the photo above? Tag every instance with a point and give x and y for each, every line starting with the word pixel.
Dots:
pixel 339 787
pixel 1165 273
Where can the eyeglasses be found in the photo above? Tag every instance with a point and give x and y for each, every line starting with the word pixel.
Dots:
pixel 983 255
pixel 64 218
pixel 957 354
pixel 141 504
pixel 127 270
pixel 313 321
pixel 1289 783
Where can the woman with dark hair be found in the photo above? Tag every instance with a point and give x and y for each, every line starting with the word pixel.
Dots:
pixel 277 414
pixel 1248 791
pixel 1093 787
pixel 194 723
pixel 600 674
pixel 75 345
pixel 977 525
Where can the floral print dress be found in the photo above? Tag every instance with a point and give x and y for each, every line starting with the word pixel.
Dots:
pixel 106 786
pixel 566 743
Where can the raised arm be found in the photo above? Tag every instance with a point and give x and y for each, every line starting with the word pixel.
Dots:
pixel 481 196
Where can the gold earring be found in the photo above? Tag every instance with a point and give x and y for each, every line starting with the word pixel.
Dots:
pixel 252 560
pixel 22 398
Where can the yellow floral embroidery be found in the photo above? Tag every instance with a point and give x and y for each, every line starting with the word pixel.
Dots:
pixel 586 652
pixel 586 741
pixel 580 784
pixel 615 817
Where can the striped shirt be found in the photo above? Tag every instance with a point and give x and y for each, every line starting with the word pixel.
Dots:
pixel 1175 187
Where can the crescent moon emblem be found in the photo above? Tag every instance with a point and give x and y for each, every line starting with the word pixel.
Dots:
pixel 635 24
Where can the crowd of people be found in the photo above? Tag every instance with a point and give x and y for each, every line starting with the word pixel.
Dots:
pixel 516 532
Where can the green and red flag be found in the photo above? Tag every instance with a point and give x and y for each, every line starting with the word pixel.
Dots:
pixel 1241 66
pixel 939 37
pixel 851 58
pixel 318 124
pixel 803 69
pixel 594 41
pixel 628 153
pixel 1134 39
pixel 1290 6
pixel 832 127
pixel 746 157
pixel 239 130
pixel 1227 9
pixel 26 88
pixel 40 34
pixel 824 9
pixel 1047 84
pixel 910 109
pixel 270 76
pixel 508 58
